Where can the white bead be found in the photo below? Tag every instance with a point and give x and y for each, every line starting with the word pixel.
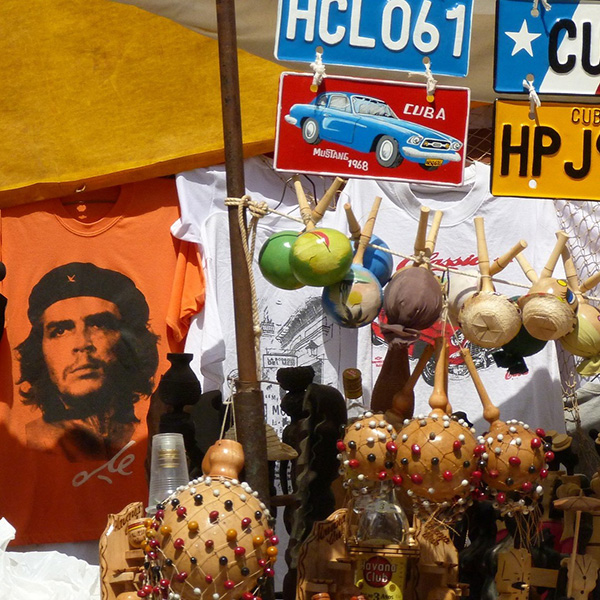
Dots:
pixel 216 596
pixel 360 476
pixel 227 484
pixel 518 441
pixel 370 440
pixel 472 430
pixel 461 421
pixel 461 437
pixel 390 428
pixel 197 592
pixel 497 450
pixel 404 437
pixel 485 456
pixel 446 424
pixel 243 497
pixel 368 414
pixel 255 494
pixel 235 482
pixel 512 429
pixel 422 422
pixel 346 462
pixel 381 436
pixel 207 480
pixel 490 441
pixel 410 493
pixel 499 437
pixel 431 491
pixel 382 423
pixel 406 422
pixel 372 424
pixel 216 493
pixel 192 491
pixel 464 483
pixel 262 506
pixel 357 426
pixel 434 417
pixel 525 426
pixel 539 490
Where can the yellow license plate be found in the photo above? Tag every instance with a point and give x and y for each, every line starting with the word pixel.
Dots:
pixel 557 155
pixel 433 162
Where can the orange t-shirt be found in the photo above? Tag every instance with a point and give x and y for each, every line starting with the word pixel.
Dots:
pixel 98 294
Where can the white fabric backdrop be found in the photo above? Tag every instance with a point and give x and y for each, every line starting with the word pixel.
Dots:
pixel 256 27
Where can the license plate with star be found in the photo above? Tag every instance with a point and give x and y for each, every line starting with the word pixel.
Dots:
pixel 557 49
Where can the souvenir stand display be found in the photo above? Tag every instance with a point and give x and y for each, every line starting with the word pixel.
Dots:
pixel 398 487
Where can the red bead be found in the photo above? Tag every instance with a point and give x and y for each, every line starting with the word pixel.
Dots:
pixel 246 522
pixel 239 551
pixel 269 533
pixel 501 497
pixel 262 562
pixel 156 590
pixel 164 584
pixel 269 572
pixel 154 543
pixel 447 475
pixel 143 594
pixel 479 450
pixel 274 540
pixel 397 479
pixel 415 449
pixel 181 576
pixel 527 486
pixel 382 475
pixel 151 555
pixel 476 475
pixel 213 515
pixel 353 463
pixel 515 461
pixel 147 588
pixel 208 579
pixel 540 432
pixel 536 442
pixel 178 543
pixel 391 447
pixel 160 514
pixel 340 446
pixel 549 456
pixel 229 584
pixel 456 445
pixel 492 473
pixel 181 511
pixel 209 544
pixel 481 495
pixel 543 473
pixel 416 478
pixel 247 596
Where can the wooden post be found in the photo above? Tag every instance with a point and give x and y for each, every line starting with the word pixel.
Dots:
pixel 248 401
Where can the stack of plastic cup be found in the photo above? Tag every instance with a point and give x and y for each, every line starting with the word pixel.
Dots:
pixel 168 468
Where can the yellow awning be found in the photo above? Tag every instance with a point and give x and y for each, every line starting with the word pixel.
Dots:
pixel 96 93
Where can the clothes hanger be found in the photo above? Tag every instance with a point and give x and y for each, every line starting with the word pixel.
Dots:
pixel 82 197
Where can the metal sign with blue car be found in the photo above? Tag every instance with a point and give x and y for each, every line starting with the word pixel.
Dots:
pixel 557 49
pixel 382 34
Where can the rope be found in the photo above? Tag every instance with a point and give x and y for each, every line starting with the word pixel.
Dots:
pixel 257 210
pixel 545 4
pixel 318 71
pixel 534 99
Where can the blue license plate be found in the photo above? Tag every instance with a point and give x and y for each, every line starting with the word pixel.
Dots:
pixel 559 49
pixel 383 34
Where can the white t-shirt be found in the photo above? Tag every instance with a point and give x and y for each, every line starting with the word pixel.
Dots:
pixel 534 397
pixel 295 329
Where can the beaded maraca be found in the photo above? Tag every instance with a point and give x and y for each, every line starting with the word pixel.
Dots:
pixel 488 319
pixel 511 458
pixel 212 538
pixel 356 300
pixel 435 455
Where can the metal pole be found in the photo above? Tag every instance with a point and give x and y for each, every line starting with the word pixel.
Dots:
pixel 248 400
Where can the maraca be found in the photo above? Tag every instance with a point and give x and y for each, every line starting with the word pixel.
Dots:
pixel 413 298
pixel 356 300
pixel 378 261
pixel 318 257
pixel 550 306
pixel 487 318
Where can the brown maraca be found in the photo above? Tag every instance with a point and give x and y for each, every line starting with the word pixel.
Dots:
pixel 413 298
pixel 213 537
pixel 511 457
pixel 488 319
pixel 436 451
pixel 550 306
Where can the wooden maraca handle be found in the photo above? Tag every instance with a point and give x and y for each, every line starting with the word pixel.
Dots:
pixel 325 201
pixel 367 232
pixel 421 238
pixel 305 211
pixel 353 224
pixel 528 270
pixel 483 257
pixel 403 402
pixel 562 238
pixel 438 401
pixel 491 413
pixel 590 283
pixel 503 261
pixel 433 233
pixel 571 272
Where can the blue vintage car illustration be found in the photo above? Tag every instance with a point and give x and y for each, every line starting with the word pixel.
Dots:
pixel 368 124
